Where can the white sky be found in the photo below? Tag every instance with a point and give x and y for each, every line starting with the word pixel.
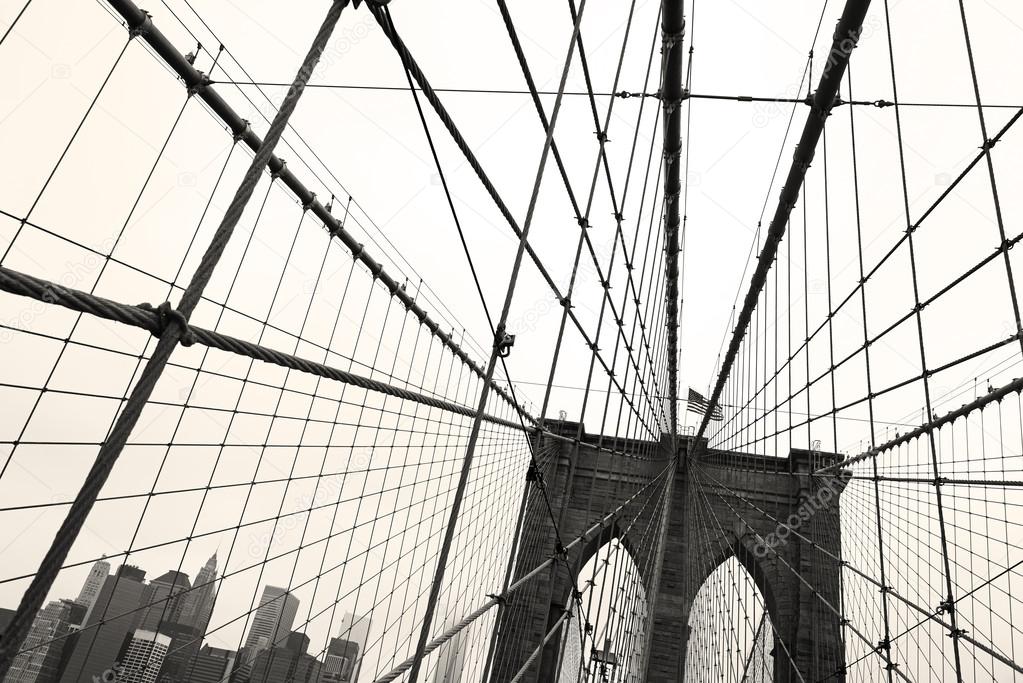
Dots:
pixel 373 144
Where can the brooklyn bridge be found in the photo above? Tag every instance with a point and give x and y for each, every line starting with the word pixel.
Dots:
pixel 561 342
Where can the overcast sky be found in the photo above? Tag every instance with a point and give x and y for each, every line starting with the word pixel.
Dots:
pixel 368 143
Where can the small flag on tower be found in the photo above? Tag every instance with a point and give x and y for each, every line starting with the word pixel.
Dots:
pixel 699 405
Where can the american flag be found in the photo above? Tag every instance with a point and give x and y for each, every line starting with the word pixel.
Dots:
pixel 698 404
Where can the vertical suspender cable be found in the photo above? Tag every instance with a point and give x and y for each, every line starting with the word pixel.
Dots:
pixel 846 35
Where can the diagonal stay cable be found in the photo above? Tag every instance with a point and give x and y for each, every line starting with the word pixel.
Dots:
pixel 479 290
pixel 413 67
pixel 383 18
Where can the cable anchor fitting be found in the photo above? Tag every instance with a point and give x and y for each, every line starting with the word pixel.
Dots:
pixel 199 85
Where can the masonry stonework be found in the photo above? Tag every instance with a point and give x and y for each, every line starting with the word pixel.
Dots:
pixel 720 505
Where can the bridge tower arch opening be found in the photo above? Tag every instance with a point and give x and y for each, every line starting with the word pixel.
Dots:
pixel 608 637
pixel 730 634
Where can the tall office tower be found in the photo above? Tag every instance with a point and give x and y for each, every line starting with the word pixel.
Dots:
pixel 5 618
pixel 142 657
pixel 165 596
pixel 212 665
pixel 198 604
pixel 289 662
pixel 185 644
pixel 93 583
pixel 340 661
pixel 356 630
pixel 114 616
pixel 48 643
pixel 450 660
pixel 274 618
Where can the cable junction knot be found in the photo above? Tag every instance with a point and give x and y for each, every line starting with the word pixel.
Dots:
pixel 499 599
pixel 881 104
pixel 884 644
pixel 276 173
pixel 945 606
pixel 357 251
pixel 957 632
pixel 308 204
pixel 143 28
pixel 601 136
pixel 165 315
pixel 534 475
pixel 199 85
pixel 240 135
pixel 670 40
pixel 503 342
pixel 671 105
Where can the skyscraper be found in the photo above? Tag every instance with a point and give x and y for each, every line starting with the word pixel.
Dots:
pixel 340 661
pixel 274 618
pixel 142 657
pixel 93 583
pixel 165 600
pixel 198 604
pixel 212 665
pixel 355 630
pixel 48 643
pixel 113 617
pixel 286 662
pixel 450 660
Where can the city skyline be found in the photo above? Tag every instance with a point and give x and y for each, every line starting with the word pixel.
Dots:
pixel 124 624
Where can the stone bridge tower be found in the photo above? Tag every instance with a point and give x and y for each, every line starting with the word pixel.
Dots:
pixel 720 505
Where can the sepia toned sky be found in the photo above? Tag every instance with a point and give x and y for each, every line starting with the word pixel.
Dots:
pixel 357 133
